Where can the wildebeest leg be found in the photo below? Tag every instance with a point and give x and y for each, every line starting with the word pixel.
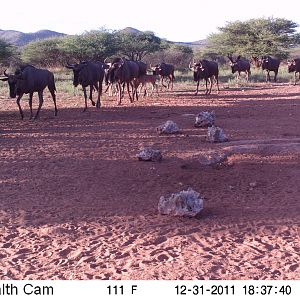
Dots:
pixel 197 88
pixel 122 90
pixel 206 89
pixel 295 78
pixel 30 104
pixel 99 93
pixel 119 92
pixel 275 76
pixel 91 94
pixel 211 83
pixel 268 76
pixel 162 82
pixel 134 91
pixel 128 90
pixel 18 103
pixel 85 98
pixel 41 101
pixel 54 100
pixel 156 87
pixel 170 82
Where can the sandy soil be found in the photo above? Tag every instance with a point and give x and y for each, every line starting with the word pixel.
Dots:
pixel 75 202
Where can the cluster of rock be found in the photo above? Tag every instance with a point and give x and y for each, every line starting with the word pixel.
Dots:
pixel 216 135
pixel 185 203
pixel 188 202
pixel 205 119
pixel 169 127
pixel 149 154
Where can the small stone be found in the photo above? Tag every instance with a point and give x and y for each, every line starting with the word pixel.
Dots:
pixel 185 203
pixel 253 184
pixel 205 119
pixel 168 128
pixel 216 135
pixel 148 154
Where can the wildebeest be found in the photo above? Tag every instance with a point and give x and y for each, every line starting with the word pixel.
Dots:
pixel 164 71
pixel 240 65
pixel 143 80
pixel 27 80
pixel 294 66
pixel 88 73
pixel 123 72
pixel 207 70
pixel 269 64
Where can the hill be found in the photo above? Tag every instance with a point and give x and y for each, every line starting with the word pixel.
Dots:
pixel 19 38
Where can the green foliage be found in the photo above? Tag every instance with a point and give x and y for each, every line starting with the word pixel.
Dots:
pixel 46 53
pixel 7 51
pixel 255 37
pixel 136 46
pixel 93 45
pixel 178 55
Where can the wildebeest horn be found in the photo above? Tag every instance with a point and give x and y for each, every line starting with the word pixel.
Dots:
pixel 5 73
pixel 69 66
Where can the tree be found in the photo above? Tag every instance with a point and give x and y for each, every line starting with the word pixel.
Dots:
pixel 7 51
pixel 45 53
pixel 136 45
pixel 93 45
pixel 255 37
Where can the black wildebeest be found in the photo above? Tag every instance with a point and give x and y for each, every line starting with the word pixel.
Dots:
pixel 164 71
pixel 268 64
pixel 123 72
pixel 207 70
pixel 27 80
pixel 294 66
pixel 88 73
pixel 240 65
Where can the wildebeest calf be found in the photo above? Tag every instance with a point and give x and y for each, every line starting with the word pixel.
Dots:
pixel 294 66
pixel 240 65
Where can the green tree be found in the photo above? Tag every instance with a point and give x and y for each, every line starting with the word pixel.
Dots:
pixel 136 46
pixel 255 37
pixel 7 51
pixel 45 53
pixel 95 45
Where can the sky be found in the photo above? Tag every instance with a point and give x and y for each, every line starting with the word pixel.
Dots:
pixel 182 21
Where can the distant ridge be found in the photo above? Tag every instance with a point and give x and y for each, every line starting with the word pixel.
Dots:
pixel 19 38
pixel 130 30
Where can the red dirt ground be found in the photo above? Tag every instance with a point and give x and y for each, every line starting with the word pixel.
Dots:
pixel 76 203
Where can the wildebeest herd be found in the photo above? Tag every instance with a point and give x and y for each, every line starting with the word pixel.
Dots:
pixel 121 73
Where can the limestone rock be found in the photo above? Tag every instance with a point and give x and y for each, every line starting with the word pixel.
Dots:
pixel 216 135
pixel 168 128
pixel 205 119
pixel 212 158
pixel 148 154
pixel 185 203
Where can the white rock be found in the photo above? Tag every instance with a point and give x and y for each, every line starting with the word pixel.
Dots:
pixel 148 154
pixel 168 128
pixel 216 135
pixel 185 203
pixel 205 119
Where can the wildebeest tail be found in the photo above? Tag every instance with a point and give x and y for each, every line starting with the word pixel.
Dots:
pixel 51 84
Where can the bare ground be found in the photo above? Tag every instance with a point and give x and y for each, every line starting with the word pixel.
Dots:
pixel 75 202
